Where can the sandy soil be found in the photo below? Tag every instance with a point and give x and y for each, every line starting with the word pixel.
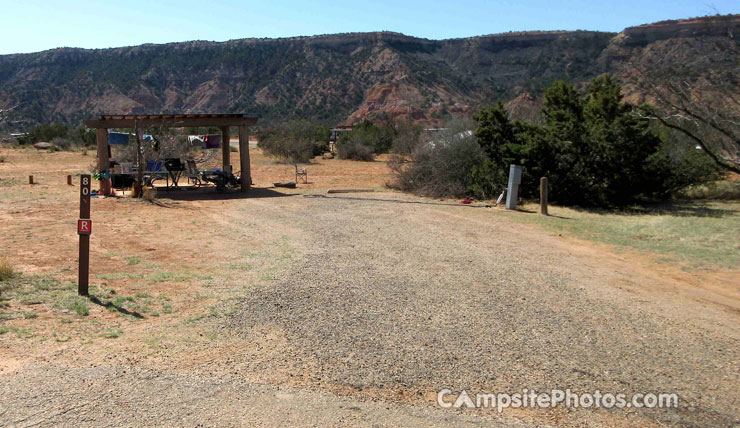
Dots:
pixel 287 310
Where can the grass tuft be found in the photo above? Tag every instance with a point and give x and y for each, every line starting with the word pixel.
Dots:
pixel 112 333
pixel 6 271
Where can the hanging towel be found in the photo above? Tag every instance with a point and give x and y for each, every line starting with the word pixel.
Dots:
pixel 118 138
pixel 212 141
pixel 196 140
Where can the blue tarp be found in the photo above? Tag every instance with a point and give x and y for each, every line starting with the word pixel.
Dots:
pixel 118 138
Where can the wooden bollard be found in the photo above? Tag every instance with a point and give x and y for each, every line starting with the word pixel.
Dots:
pixel 543 196
pixel 69 180
pixel 30 179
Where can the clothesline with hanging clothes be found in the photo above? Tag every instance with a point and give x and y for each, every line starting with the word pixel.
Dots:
pixel 208 141
pixel 122 138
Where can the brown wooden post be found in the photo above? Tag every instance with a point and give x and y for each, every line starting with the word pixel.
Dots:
pixel 84 229
pixel 226 147
pixel 103 161
pixel 69 180
pixel 246 178
pixel 543 196
pixel 30 179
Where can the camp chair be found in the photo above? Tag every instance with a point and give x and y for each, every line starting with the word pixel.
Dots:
pixel 301 172
pixel 154 171
pixel 192 173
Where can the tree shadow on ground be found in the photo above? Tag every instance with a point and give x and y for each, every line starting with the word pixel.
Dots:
pixel 211 194
pixel 111 306
pixel 675 209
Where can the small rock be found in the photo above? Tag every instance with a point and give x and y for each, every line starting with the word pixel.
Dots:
pixel 42 145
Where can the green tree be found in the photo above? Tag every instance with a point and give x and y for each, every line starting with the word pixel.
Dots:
pixel 593 148
pixel 499 137
pixel 619 147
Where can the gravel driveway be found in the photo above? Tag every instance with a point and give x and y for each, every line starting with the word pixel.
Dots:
pixel 413 298
pixel 370 307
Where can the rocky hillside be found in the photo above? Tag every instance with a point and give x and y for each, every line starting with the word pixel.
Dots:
pixel 344 77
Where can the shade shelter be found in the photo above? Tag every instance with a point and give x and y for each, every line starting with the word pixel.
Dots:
pixel 224 121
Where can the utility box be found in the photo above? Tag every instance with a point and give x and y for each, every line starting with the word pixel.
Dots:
pixel 512 193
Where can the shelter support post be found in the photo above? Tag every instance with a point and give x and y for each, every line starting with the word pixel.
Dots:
pixel 246 177
pixel 103 160
pixel 139 184
pixel 226 147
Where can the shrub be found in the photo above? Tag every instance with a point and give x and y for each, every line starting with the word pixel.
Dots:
pixel 296 142
pixel 59 135
pixel 61 143
pixel 441 167
pixel 378 139
pixel 86 137
pixel 407 138
pixel 6 271
pixel 287 149
pixel 713 190
pixel 355 150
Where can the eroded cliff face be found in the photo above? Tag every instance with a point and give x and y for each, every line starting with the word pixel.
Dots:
pixel 345 78
pixel 718 26
pixel 697 51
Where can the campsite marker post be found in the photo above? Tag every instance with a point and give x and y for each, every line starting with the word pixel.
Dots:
pixel 84 228
pixel 543 196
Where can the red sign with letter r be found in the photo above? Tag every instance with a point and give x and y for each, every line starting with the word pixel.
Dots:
pixel 84 226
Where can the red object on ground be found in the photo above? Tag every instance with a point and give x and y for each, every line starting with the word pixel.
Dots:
pixel 466 201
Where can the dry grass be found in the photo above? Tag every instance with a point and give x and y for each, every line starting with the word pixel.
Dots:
pixel 695 234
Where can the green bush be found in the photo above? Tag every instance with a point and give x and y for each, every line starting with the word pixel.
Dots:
pixel 365 135
pixel 296 142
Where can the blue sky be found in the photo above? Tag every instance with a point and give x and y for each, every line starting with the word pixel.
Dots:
pixel 34 25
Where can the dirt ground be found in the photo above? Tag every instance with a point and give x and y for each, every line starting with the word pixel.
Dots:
pixel 297 308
